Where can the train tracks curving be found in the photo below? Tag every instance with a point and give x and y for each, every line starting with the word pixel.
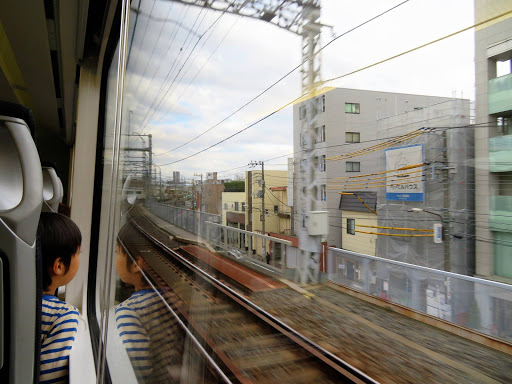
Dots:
pixel 247 343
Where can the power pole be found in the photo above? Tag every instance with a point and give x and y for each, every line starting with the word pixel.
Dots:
pixel 309 188
pixel 150 165
pixel 201 199
pixel 263 210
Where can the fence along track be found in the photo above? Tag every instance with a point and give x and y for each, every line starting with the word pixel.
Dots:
pixel 255 346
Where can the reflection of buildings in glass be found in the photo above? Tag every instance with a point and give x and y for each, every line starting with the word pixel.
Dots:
pixel 150 334
pixel 493 171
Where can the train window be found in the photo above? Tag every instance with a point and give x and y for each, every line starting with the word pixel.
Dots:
pixel 193 288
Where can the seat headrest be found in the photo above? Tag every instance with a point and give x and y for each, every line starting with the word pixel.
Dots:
pixel 20 112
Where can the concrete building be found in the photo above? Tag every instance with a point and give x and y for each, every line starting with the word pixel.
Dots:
pixel 233 213
pixel 211 194
pixel 349 123
pixel 440 192
pixel 493 150
pixel 359 130
pixel 277 212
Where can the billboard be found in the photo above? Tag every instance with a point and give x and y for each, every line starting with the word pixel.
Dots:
pixel 408 184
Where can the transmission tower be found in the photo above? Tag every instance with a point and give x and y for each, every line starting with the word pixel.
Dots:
pixel 301 17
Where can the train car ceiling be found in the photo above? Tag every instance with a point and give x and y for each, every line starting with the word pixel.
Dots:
pixel 42 44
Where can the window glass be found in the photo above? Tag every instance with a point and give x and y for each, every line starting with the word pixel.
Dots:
pixel 351 226
pixel 353 166
pixel 352 137
pixel 184 151
pixel 351 107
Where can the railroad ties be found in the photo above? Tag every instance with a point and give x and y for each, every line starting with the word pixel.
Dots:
pixel 246 342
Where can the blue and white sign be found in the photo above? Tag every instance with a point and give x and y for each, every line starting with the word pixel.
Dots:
pixel 438 233
pixel 406 184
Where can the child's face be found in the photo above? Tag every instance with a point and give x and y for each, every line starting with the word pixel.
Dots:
pixel 125 273
pixel 73 267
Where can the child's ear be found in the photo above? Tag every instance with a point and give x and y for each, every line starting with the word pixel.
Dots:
pixel 136 266
pixel 58 268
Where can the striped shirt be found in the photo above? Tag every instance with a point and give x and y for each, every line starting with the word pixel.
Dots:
pixel 59 327
pixel 151 336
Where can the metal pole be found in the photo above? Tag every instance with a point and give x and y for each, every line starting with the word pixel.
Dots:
pixel 309 191
pixel 446 213
pixel 263 210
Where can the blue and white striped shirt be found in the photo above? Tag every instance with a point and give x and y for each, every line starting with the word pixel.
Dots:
pixel 59 327
pixel 151 337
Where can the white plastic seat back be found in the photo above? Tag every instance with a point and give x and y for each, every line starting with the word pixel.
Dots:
pixel 21 188
pixel 53 190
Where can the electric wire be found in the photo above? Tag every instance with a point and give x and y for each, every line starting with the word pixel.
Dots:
pixel 175 62
pixel 284 77
pixel 335 78
pixel 193 48
pixel 198 72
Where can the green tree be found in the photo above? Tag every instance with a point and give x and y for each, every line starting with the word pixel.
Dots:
pixel 234 186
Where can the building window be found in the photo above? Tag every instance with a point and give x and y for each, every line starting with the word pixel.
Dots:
pixel 352 137
pixel 351 226
pixel 323 103
pixel 353 166
pixel 323 192
pixel 276 208
pixel 226 206
pixel 302 112
pixel 243 207
pixel 320 134
pixel 352 108
pixel 236 205
pixel 322 163
pixel 505 125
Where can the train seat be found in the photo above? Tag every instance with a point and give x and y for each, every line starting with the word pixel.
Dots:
pixel 21 190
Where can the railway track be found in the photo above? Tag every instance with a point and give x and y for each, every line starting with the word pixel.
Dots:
pixel 246 342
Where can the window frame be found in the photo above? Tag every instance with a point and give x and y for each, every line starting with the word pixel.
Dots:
pixel 320 134
pixel 351 226
pixel 351 135
pixel 355 108
pixel 352 166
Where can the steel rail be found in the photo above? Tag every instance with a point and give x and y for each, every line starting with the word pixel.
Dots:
pixel 314 349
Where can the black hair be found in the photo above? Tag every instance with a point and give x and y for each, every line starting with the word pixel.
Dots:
pixel 123 239
pixel 58 236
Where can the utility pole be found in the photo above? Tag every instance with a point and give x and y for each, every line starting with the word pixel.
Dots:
pixel 200 203
pixel 263 210
pixel 446 205
pixel 150 165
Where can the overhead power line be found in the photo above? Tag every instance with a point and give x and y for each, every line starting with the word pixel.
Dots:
pixel 281 79
pixel 419 47
pixel 334 78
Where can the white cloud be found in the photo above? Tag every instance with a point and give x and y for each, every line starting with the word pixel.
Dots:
pixel 255 54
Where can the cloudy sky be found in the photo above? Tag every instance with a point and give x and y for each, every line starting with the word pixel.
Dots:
pixel 190 68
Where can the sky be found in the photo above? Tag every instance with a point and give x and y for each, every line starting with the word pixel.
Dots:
pixel 189 69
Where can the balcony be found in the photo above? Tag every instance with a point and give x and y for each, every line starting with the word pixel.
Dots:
pixel 500 94
pixel 500 153
pixel 500 218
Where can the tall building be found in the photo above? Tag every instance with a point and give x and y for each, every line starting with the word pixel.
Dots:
pixel 355 129
pixel 493 137
pixel 211 194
